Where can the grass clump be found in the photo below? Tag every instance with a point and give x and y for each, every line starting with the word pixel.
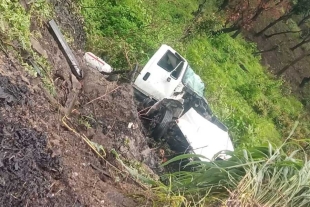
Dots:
pixel 258 176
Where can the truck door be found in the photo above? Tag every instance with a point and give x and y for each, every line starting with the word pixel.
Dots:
pixel 162 74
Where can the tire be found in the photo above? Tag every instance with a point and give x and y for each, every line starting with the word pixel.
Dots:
pixel 161 128
pixel 138 95
pixel 113 77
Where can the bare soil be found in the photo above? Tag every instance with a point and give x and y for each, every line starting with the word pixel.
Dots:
pixel 43 162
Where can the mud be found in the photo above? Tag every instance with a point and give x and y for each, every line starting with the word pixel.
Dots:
pixel 23 164
pixel 42 162
pixel 28 167
pixel 11 94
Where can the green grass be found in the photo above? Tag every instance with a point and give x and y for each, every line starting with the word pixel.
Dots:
pixel 129 32
pixel 250 102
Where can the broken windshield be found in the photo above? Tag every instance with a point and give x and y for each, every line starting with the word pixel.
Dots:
pixel 193 81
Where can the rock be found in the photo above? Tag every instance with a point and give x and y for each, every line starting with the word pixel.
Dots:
pixel 130 124
pixel 37 47
pixel 75 174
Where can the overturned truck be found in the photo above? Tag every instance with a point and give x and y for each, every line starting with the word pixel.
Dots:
pixel 172 96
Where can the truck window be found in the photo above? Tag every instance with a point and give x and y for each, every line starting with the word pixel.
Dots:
pixel 169 61
pixel 176 73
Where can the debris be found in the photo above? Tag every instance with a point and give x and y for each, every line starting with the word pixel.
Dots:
pixel 34 65
pixel 27 57
pixel 99 148
pixel 76 87
pixel 161 153
pixel 37 47
pixel 67 51
pixel 130 125
pixel 103 95
pixel 96 63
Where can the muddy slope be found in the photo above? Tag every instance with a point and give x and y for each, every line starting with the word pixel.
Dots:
pixel 43 160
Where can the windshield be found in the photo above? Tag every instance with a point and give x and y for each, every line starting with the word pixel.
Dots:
pixel 193 81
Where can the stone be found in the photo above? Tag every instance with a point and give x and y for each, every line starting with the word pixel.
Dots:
pixel 37 47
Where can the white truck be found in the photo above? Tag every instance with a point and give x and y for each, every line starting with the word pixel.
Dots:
pixel 172 95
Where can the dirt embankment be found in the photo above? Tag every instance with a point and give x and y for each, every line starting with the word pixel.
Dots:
pixel 42 162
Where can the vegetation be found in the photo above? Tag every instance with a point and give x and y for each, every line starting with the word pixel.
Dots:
pixel 259 176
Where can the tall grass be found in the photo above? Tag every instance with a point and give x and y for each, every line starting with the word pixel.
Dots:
pixel 259 176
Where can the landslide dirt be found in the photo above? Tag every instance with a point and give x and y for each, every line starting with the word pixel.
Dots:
pixel 43 162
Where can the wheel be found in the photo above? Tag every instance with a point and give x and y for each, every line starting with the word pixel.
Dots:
pixel 163 123
pixel 139 96
pixel 113 77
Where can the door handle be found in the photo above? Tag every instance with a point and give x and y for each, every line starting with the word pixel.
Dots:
pixel 146 76
pixel 168 79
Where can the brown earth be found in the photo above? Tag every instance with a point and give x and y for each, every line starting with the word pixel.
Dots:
pixel 42 161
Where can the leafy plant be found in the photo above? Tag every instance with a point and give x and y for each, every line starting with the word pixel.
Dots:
pixel 258 176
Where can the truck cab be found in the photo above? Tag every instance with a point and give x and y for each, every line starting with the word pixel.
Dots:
pixel 162 74
pixel 178 105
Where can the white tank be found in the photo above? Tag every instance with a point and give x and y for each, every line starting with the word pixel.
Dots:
pixel 97 63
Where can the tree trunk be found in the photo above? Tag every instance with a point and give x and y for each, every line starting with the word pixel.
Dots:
pixel 304 81
pixel 261 8
pixel 268 50
pixel 304 20
pixel 223 5
pixel 291 64
pixel 300 44
pixel 273 23
pixel 236 33
pixel 258 12
pixel 278 33
pixel 226 30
